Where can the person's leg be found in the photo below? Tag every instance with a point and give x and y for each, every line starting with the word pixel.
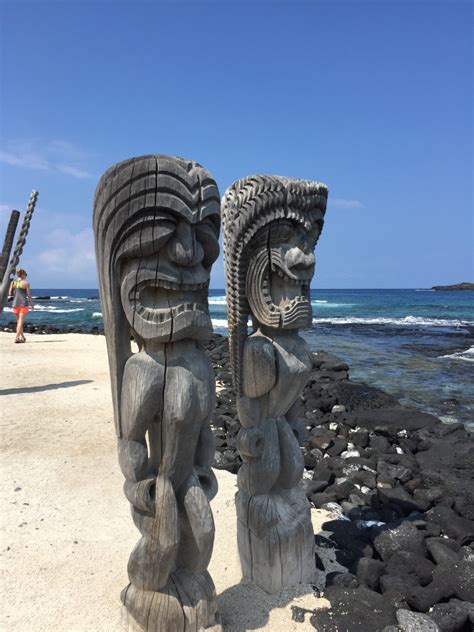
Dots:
pixel 17 336
pixel 21 323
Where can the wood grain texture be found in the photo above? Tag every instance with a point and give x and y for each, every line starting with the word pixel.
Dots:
pixel 18 250
pixel 156 223
pixel 271 226
pixel 8 242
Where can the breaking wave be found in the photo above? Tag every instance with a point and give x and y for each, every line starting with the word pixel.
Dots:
pixel 467 355
pixel 406 321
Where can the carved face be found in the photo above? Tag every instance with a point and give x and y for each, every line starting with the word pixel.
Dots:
pixel 279 275
pixel 164 268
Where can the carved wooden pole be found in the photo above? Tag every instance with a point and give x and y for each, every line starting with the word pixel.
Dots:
pixel 271 225
pixel 18 249
pixel 156 224
pixel 8 243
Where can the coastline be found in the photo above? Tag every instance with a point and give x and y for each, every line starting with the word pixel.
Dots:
pixel 374 468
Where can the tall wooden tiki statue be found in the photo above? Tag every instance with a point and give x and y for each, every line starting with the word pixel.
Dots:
pixel 156 223
pixel 271 226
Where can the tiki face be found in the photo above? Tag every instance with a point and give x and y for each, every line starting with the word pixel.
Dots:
pixel 279 275
pixel 164 272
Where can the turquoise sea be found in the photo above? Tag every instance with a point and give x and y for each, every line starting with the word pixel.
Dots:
pixel 416 344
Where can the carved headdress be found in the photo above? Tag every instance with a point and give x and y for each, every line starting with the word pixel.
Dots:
pixel 133 204
pixel 248 206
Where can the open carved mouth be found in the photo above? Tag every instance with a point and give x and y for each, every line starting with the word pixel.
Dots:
pixel 158 300
pixel 280 293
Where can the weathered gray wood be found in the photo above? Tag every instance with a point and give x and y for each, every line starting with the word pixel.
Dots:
pixel 156 224
pixel 8 243
pixel 20 244
pixel 271 226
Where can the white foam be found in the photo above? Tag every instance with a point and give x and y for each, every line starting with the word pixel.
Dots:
pixel 467 355
pixel 55 310
pixel 448 419
pixel 220 322
pixel 217 300
pixel 406 321
pixel 97 315
pixel 58 298
pixel 324 304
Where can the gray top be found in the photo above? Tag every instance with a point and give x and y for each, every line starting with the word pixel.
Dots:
pixel 20 298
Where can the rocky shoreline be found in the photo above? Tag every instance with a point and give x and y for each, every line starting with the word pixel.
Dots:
pixel 399 484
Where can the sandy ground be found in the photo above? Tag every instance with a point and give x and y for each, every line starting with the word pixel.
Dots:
pixel 66 531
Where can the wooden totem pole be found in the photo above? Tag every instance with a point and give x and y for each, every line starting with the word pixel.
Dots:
pixel 20 244
pixel 271 226
pixel 156 224
pixel 8 243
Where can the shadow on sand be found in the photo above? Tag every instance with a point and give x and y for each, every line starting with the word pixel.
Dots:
pixel 44 387
pixel 257 605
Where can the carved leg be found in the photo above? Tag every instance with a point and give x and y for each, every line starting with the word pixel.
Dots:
pixel 274 530
pixel 169 588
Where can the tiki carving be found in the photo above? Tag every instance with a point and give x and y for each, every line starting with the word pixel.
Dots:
pixel 156 224
pixel 271 226
pixel 18 250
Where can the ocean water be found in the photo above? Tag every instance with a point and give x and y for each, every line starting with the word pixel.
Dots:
pixel 416 344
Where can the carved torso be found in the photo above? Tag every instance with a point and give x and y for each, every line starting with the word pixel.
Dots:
pixel 175 398
pixel 293 367
pixel 276 370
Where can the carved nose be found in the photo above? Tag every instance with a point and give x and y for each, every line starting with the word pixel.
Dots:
pixel 296 259
pixel 183 248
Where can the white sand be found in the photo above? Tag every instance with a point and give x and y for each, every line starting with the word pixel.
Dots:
pixel 66 530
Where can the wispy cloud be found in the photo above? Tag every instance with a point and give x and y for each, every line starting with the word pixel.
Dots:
pixel 71 254
pixel 55 156
pixel 343 203
pixel 74 171
pixel 27 160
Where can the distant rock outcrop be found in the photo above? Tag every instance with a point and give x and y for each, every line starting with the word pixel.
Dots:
pixel 452 288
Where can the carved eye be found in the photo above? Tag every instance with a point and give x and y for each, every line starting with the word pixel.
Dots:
pixel 147 237
pixel 282 231
pixel 206 235
pixel 157 237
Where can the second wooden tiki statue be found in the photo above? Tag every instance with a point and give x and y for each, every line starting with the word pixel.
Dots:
pixel 156 224
pixel 271 226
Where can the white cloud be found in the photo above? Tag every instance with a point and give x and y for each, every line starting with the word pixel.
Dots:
pixel 74 171
pixel 343 203
pixel 56 155
pixel 25 159
pixel 70 254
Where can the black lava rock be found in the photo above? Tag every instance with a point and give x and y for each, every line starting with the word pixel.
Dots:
pixel 409 563
pixel 450 617
pixel 350 608
pixel 344 580
pixel 404 537
pixel 415 622
pixel 368 571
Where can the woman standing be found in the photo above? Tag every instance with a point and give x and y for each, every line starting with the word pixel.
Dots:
pixel 21 297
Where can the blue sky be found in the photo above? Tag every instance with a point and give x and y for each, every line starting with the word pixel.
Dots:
pixel 372 98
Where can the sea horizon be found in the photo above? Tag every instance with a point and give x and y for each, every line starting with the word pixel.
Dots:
pixel 415 343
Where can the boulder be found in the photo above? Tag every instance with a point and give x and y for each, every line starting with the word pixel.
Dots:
pixel 456 527
pixel 408 563
pixel 450 617
pixel 404 537
pixel 355 609
pixel 415 622
pixel 368 571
